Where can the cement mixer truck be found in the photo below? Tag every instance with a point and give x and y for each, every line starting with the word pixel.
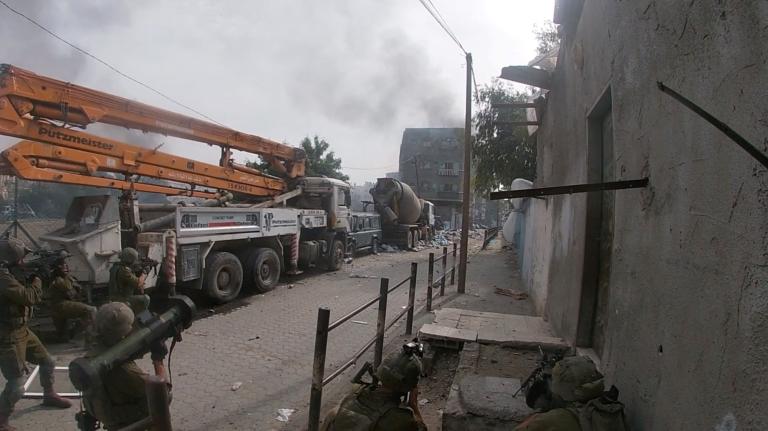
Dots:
pixel 405 219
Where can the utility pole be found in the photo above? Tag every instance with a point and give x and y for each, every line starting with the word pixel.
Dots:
pixel 465 220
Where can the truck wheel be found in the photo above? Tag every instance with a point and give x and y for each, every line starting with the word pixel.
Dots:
pixel 409 240
pixel 375 246
pixel 262 269
pixel 335 256
pixel 223 277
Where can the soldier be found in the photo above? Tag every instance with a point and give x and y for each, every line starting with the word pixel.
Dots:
pixel 64 294
pixel 380 407
pixel 577 394
pixel 124 285
pixel 18 344
pixel 121 399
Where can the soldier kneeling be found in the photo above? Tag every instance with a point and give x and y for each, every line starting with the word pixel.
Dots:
pixel 121 399
pixel 380 407
pixel 65 304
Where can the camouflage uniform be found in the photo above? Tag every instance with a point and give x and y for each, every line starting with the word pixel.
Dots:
pixel 380 408
pixel 18 344
pixel 124 284
pixel 64 305
pixel 575 381
pixel 121 399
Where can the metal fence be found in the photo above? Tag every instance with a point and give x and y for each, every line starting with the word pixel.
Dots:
pixel 444 270
pixel 319 380
pixel 488 235
pixel 324 328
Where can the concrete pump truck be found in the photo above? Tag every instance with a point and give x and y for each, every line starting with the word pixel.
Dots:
pixel 279 222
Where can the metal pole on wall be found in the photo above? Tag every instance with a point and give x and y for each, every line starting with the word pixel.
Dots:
pixel 465 220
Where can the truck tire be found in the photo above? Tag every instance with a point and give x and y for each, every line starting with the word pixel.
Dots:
pixel 262 268
pixel 409 240
pixel 335 257
pixel 223 277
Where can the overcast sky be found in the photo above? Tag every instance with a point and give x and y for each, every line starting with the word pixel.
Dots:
pixel 355 72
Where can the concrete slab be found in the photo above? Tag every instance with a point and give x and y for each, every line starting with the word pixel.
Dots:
pixel 504 329
pixel 483 403
pixel 438 332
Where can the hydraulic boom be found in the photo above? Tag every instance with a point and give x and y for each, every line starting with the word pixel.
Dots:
pixel 52 115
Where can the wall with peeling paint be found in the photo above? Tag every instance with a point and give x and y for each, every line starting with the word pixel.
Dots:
pixel 687 334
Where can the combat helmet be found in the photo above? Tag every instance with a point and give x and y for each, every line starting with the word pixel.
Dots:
pixel 12 250
pixel 129 256
pixel 400 372
pixel 576 379
pixel 113 322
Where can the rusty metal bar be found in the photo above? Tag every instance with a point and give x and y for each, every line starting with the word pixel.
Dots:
pixel 349 363
pixel 318 368
pixel 513 105
pixel 158 400
pixel 453 266
pixel 352 313
pixel 381 323
pixel 445 271
pixel 411 299
pixel 726 129
pixel 566 190
pixel 516 123
pixel 430 276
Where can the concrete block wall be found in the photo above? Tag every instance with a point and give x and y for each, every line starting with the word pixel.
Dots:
pixel 687 333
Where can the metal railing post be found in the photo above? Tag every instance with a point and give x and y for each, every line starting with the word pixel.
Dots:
pixel 318 368
pixel 453 266
pixel 411 299
pixel 430 278
pixel 445 271
pixel 381 323
pixel 157 399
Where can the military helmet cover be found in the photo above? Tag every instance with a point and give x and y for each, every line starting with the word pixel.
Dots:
pixel 129 256
pixel 12 250
pixel 400 372
pixel 576 379
pixel 113 322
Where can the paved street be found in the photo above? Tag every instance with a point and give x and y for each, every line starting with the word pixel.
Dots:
pixel 265 343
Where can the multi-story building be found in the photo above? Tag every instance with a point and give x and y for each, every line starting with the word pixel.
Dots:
pixel 431 162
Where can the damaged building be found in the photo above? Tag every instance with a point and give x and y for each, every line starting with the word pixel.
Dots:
pixel 666 286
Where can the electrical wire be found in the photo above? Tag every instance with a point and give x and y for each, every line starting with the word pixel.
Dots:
pixel 108 65
pixel 439 18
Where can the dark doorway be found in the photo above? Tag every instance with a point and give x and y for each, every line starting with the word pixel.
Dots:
pixel 594 311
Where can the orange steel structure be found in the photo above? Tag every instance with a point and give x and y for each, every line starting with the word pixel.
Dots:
pixel 51 115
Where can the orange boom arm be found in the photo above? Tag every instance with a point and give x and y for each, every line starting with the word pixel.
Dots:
pixel 29 103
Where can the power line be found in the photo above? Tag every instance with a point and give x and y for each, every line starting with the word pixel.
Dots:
pixel 368 169
pixel 439 18
pixel 113 68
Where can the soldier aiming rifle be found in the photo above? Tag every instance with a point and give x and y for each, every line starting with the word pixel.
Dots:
pixel 388 402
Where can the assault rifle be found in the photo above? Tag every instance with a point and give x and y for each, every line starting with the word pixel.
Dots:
pixel 146 265
pixel 40 265
pixel 536 386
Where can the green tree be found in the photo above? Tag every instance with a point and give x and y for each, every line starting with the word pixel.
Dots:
pixel 501 152
pixel 320 161
pixel 546 34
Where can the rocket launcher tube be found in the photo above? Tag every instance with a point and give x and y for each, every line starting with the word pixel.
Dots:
pixel 87 372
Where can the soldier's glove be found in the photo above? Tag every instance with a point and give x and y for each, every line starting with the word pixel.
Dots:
pixel 158 350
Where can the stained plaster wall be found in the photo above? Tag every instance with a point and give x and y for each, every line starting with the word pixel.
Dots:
pixel 687 335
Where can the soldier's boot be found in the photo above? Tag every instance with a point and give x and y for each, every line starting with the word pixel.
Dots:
pixel 4 425
pixel 52 399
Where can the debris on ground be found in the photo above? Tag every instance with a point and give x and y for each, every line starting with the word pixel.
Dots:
pixel 290 286
pixel 513 293
pixel 236 386
pixel 284 414
pixel 361 276
pixel 386 248
pixel 359 322
pixel 423 402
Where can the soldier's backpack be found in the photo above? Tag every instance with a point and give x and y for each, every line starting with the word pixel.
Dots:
pixel 604 413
